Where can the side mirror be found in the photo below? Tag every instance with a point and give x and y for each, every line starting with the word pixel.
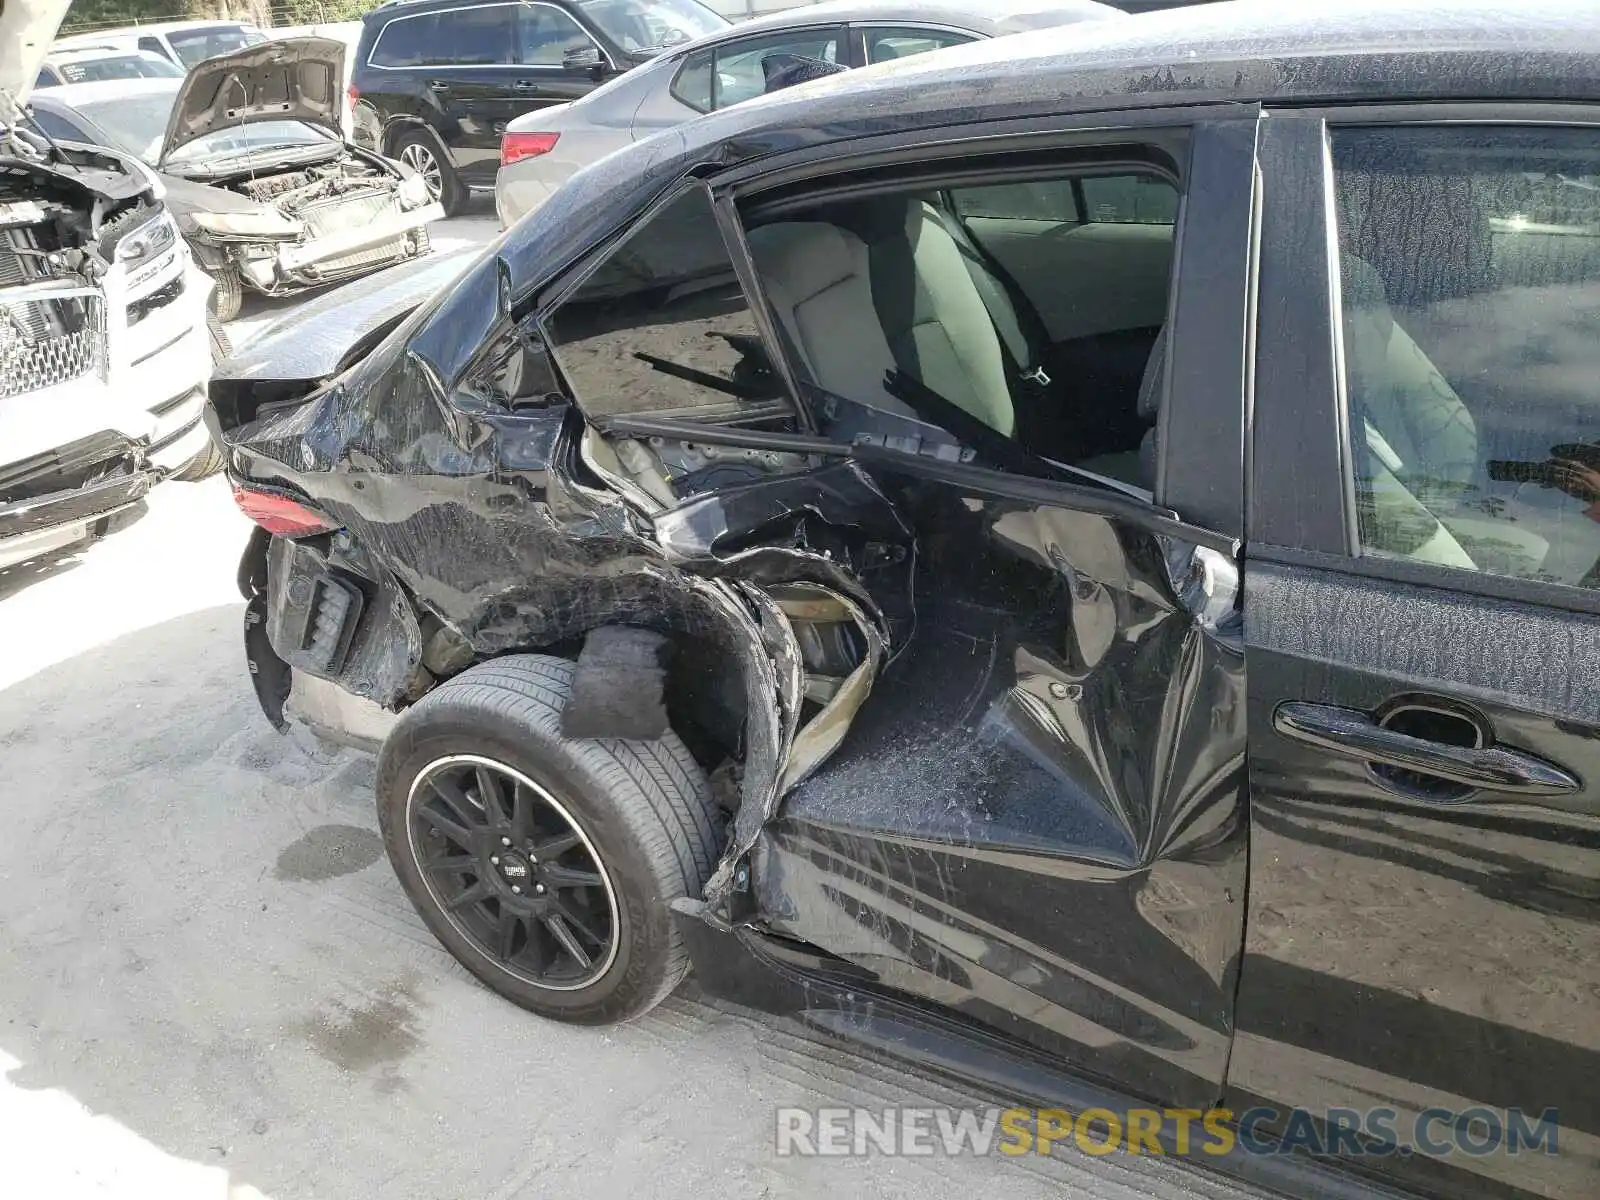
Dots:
pixel 582 58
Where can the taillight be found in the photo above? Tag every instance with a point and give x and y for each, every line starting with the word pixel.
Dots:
pixel 516 146
pixel 279 515
pixel 355 94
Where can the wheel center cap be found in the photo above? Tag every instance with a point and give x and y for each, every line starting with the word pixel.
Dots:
pixel 515 869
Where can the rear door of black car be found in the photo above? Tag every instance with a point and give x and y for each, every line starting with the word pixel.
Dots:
pixel 1036 817
pixel 1423 644
pixel 464 75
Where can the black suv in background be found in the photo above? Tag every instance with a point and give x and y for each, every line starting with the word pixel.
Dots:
pixel 435 81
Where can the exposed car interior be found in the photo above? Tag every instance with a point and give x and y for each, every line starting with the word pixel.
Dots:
pixel 1026 307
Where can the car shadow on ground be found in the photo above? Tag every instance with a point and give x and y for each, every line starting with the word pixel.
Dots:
pixel 212 983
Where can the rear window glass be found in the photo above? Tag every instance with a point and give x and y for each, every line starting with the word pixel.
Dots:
pixel 1470 294
pixel 196 45
pixel 662 327
pixel 126 66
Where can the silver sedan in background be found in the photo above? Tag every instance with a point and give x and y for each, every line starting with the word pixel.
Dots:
pixel 543 148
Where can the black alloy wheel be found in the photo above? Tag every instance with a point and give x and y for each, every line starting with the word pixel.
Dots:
pixel 513 871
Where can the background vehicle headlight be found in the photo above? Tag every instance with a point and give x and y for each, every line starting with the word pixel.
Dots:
pixel 413 191
pixel 148 240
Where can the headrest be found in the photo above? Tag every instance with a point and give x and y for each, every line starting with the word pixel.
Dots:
pixel 806 257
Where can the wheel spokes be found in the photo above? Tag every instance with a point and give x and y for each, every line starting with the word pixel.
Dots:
pixel 494 809
pixel 568 877
pixel 456 832
pixel 478 891
pixel 569 915
pixel 512 871
pixel 448 790
pixel 554 848
pixel 559 930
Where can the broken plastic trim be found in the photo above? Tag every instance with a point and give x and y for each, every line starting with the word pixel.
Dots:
pixel 1088 496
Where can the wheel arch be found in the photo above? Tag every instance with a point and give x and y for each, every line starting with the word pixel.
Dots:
pixel 397 127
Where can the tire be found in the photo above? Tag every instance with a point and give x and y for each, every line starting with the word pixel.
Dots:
pixel 643 810
pixel 210 460
pixel 227 293
pixel 221 345
pixel 421 151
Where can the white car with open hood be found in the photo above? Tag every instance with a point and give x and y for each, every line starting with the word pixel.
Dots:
pixel 270 196
pixel 104 346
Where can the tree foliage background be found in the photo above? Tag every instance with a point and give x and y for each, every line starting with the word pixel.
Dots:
pixel 85 15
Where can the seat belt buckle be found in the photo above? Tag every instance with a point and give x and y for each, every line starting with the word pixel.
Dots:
pixel 1036 376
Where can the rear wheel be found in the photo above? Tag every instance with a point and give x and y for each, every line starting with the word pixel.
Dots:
pixel 545 864
pixel 420 151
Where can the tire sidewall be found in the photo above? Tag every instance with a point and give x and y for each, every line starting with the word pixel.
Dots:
pixel 644 924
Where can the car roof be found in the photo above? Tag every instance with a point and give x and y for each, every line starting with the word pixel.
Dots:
pixel 979 16
pixel 136 31
pixel 71 95
pixel 1239 51
pixel 99 50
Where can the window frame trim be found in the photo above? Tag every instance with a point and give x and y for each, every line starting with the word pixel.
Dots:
pixel 1315 414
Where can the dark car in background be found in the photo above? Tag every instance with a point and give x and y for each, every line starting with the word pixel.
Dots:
pixel 435 81
pixel 1073 559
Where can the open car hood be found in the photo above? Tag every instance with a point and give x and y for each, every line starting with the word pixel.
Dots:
pixel 297 79
pixel 27 28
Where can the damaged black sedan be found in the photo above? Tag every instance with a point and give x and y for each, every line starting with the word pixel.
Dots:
pixel 1072 563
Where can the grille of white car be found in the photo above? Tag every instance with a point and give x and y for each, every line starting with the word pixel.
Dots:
pixel 50 338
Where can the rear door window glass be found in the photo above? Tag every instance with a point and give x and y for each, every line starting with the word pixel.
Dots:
pixel 886 44
pixel 742 68
pixel 476 37
pixel 661 326
pixel 1469 261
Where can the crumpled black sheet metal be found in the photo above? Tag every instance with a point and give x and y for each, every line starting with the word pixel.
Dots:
pixel 1072 707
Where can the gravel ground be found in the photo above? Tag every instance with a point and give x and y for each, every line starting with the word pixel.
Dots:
pixel 212 987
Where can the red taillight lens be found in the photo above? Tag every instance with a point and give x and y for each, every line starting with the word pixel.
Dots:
pixel 355 94
pixel 280 515
pixel 515 146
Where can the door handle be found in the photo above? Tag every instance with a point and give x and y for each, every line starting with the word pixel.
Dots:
pixel 525 85
pixel 438 85
pixel 1353 734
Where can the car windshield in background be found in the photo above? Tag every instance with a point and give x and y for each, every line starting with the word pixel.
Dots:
pixel 123 66
pixel 643 25
pixel 196 45
pixel 139 124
